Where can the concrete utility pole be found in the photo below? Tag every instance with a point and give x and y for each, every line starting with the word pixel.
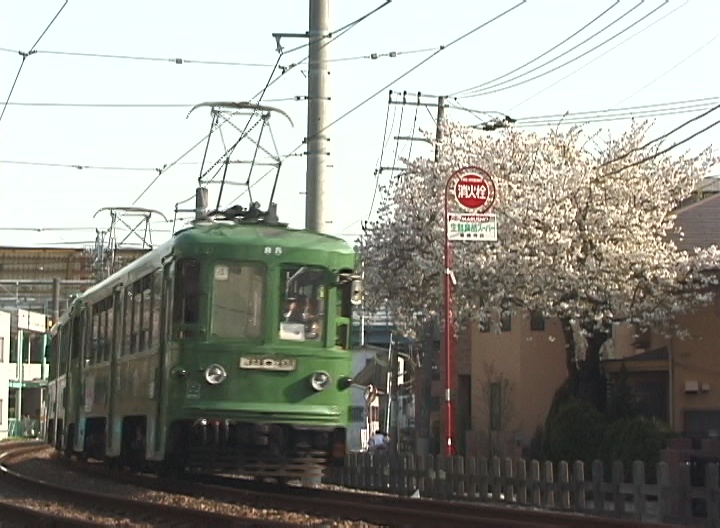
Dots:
pixel 318 196
pixel 438 130
pixel 428 345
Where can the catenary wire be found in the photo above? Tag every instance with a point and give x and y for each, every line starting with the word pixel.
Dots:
pixel 245 130
pixel 369 56
pixel 79 166
pixel 373 56
pixel 585 116
pixel 131 105
pixel 547 52
pixel 285 70
pixel 168 167
pixel 180 61
pixel 403 75
pixel 507 84
pixel 595 59
pixel 26 55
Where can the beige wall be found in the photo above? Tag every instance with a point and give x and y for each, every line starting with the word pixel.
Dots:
pixel 533 363
pixel 695 362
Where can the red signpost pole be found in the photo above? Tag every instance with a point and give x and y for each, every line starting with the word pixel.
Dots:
pixel 449 334
pixel 474 190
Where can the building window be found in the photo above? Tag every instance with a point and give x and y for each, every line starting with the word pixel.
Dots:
pixel 505 321
pixel 537 322
pixel 496 406
pixel 2 349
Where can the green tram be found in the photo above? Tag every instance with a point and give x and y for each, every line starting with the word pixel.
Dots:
pixel 225 349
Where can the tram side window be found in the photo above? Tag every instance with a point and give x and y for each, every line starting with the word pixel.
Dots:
pixel 157 279
pixel 303 296
pixel 137 318
pixel 77 337
pixel 127 322
pixel 64 349
pixel 186 306
pixel 92 350
pixel 54 357
pixel 146 318
pixel 237 308
pixel 110 329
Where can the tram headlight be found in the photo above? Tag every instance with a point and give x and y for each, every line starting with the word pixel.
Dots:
pixel 215 374
pixel 320 380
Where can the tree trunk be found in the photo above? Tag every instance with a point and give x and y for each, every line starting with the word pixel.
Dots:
pixel 586 379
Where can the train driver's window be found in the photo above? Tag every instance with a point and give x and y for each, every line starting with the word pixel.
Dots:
pixel 237 300
pixel 303 300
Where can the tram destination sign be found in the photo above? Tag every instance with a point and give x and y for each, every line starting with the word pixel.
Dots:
pixel 472 227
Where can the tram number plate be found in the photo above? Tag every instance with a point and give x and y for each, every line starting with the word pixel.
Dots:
pixel 283 365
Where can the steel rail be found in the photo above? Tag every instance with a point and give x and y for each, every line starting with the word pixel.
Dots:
pixel 384 509
pixel 128 507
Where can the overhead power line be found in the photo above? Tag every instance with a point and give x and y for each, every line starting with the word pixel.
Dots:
pixel 548 51
pixel 665 150
pixel 25 55
pixel 523 79
pixel 665 136
pixel 598 57
pixel 605 115
pixel 395 80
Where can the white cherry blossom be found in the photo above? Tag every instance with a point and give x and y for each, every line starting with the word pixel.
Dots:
pixel 578 238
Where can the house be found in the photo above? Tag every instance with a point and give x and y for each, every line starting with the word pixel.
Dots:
pixel 515 373
pixel 678 379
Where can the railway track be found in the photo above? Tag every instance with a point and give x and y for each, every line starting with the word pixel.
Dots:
pixel 387 510
pixel 128 509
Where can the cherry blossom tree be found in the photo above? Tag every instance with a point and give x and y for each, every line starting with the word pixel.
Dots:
pixel 585 234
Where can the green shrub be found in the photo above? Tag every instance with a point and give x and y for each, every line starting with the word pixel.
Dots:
pixel 574 432
pixel 631 439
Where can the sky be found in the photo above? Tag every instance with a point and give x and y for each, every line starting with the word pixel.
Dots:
pixel 659 60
